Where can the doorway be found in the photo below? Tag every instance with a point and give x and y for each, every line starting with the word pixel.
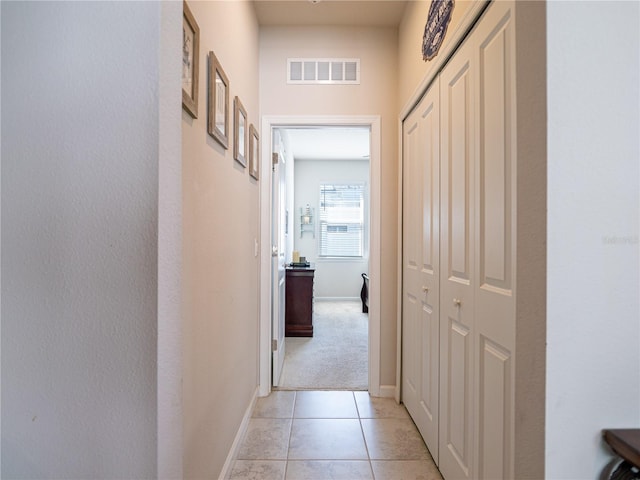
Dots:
pixel 326 210
pixel 302 127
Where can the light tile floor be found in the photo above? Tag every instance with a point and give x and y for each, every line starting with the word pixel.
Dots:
pixel 325 435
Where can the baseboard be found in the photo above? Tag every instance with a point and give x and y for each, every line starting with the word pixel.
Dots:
pixel 388 391
pixel 235 446
pixel 337 299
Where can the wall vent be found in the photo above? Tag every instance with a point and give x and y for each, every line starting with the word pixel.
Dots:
pixel 323 71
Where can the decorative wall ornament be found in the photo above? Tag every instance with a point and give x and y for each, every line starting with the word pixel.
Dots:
pixel 436 27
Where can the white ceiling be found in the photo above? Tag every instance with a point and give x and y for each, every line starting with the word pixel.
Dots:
pixel 380 13
pixel 327 143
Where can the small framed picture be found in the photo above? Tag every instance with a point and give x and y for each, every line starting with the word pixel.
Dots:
pixel 218 122
pixel 240 132
pixel 254 151
pixel 190 55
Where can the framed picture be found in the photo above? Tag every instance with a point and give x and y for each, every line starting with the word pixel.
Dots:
pixel 190 54
pixel 254 150
pixel 240 132
pixel 218 123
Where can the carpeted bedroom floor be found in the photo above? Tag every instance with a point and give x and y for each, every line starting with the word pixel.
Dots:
pixel 336 356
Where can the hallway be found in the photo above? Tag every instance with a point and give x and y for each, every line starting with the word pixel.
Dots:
pixel 328 435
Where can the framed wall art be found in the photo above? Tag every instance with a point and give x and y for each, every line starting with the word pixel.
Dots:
pixel 190 54
pixel 254 151
pixel 240 132
pixel 218 119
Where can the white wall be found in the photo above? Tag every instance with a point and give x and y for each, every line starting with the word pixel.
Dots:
pixel 378 50
pixel 334 278
pixel 170 245
pixel 221 271
pixel 80 140
pixel 593 321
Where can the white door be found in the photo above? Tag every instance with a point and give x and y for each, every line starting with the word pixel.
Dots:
pixel 278 261
pixel 495 198
pixel 476 268
pixel 457 148
pixel 421 207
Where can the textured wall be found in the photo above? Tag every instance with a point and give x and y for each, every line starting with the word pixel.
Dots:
pixel 79 239
pixel 593 318
pixel 170 245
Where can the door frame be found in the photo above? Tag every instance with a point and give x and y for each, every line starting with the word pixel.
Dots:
pixel 267 124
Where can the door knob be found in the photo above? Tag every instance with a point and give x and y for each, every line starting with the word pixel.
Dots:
pixel 425 289
pixel 457 302
pixel 274 251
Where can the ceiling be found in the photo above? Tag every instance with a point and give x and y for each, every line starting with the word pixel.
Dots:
pixel 382 13
pixel 327 143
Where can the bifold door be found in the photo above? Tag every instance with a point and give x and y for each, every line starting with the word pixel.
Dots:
pixel 458 265
pixel 421 206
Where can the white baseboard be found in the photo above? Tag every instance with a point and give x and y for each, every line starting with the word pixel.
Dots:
pixel 388 391
pixel 337 299
pixel 235 446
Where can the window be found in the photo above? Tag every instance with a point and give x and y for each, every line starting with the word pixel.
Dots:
pixel 341 220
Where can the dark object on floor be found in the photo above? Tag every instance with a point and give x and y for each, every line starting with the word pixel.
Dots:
pixel 364 293
pixel 625 443
pixel 299 302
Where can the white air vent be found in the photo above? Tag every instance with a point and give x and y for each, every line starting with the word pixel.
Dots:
pixel 337 71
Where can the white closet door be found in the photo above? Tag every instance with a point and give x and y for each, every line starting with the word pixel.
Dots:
pixel 421 207
pixel 495 229
pixel 458 155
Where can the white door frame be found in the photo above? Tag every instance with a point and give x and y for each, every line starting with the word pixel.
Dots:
pixel 268 123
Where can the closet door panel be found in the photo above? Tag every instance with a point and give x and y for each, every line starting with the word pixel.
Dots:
pixel 410 262
pixel 420 329
pixel 457 261
pixel 430 272
pixel 496 151
pixel 430 185
pixel 494 411
pixel 495 270
pixel 457 164
pixel 458 426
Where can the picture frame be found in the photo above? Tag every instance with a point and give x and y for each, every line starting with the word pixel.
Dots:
pixel 218 118
pixel 190 61
pixel 240 132
pixel 254 151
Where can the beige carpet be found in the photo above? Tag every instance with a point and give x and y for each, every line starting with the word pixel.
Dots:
pixel 336 356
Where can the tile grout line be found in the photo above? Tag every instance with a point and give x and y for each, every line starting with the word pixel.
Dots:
pixel 364 438
pixel 293 414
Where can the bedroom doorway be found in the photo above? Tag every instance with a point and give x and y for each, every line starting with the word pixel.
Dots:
pixel 344 350
pixel 327 214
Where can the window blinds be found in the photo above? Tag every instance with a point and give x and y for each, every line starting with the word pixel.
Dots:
pixel 341 220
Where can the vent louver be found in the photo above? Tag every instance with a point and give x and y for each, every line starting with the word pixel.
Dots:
pixel 325 71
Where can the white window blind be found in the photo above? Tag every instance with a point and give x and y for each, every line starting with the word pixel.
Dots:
pixel 341 220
